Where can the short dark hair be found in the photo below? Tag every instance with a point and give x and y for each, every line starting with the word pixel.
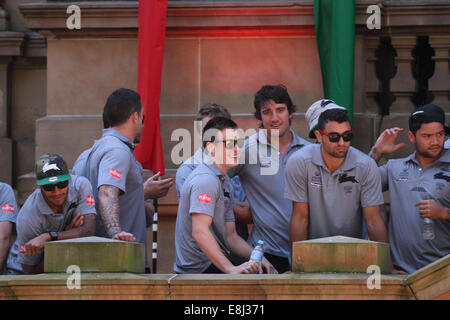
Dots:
pixel 213 110
pixel 427 113
pixel 120 105
pixel 337 115
pixel 217 123
pixel 277 93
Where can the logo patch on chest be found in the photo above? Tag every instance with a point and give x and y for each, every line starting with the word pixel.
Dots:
pixel 442 176
pixel 344 178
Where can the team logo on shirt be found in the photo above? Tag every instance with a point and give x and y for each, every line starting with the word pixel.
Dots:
pixel 115 173
pixel 7 208
pixel 442 176
pixel 204 198
pixel 90 200
pixel 344 178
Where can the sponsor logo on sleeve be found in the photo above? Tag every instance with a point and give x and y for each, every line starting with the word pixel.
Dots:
pixel 90 200
pixel 7 208
pixel 204 198
pixel 115 173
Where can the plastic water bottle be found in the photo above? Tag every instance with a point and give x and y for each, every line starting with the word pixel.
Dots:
pixel 428 229
pixel 258 253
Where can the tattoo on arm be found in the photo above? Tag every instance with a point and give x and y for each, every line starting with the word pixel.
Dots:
pixel 109 208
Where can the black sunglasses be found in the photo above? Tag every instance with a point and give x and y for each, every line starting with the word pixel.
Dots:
pixel 51 187
pixel 231 143
pixel 335 137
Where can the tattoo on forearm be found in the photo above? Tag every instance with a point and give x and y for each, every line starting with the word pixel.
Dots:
pixel 109 208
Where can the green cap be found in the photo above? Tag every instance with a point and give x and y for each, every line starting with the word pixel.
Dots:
pixel 51 168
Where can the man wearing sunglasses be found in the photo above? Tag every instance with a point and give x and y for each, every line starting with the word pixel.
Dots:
pixel 330 182
pixel 205 233
pixel 62 207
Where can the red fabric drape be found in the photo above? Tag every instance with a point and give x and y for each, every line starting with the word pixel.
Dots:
pixel 152 32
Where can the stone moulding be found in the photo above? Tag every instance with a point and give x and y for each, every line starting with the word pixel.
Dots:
pixel 430 282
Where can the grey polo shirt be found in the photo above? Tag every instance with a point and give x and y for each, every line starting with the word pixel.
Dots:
pixel 8 210
pixel 262 176
pixel 186 169
pixel 408 183
pixel 209 192
pixel 111 162
pixel 335 199
pixel 35 218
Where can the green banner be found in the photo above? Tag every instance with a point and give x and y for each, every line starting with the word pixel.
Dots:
pixel 335 31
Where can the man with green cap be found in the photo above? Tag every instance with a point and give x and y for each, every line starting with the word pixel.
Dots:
pixel 62 207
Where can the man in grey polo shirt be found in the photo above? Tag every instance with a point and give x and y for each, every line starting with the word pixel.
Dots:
pixel 205 233
pixel 419 188
pixel 262 173
pixel 330 182
pixel 62 207
pixel 8 216
pixel 117 178
pixel 206 113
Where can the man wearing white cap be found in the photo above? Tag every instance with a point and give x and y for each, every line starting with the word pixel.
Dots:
pixel 332 185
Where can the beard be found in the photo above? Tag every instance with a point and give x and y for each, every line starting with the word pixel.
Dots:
pixel 426 153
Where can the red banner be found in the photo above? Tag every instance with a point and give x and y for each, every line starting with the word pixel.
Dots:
pixel 152 33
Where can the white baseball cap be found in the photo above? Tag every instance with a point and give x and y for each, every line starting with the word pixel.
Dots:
pixel 315 110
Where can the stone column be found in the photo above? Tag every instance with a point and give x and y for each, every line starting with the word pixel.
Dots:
pixel 403 84
pixel 439 83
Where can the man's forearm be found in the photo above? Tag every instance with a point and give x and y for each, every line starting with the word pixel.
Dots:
pixel 86 230
pixel 238 246
pixel 377 230
pixel 108 198
pixel 4 246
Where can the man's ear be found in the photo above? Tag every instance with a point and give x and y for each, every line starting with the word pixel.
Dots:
pixel 210 149
pixel 411 137
pixel 318 135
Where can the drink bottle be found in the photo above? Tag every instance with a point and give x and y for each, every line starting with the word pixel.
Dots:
pixel 428 229
pixel 258 253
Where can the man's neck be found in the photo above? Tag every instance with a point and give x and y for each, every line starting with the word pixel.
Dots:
pixel 283 142
pixel 425 161
pixel 125 131
pixel 331 162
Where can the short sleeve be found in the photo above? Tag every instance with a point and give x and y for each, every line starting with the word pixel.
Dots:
pixel 296 177
pixel 86 202
pixel 204 194
pixel 182 173
pixel 28 229
pixel 371 194
pixel 113 168
pixel 8 204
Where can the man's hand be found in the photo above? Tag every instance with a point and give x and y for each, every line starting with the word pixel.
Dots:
pixel 34 246
pixel 125 236
pixel 77 222
pixel 155 188
pixel 430 209
pixel 385 143
pixel 266 265
pixel 248 267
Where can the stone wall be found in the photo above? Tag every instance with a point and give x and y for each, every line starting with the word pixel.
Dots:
pixel 215 52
